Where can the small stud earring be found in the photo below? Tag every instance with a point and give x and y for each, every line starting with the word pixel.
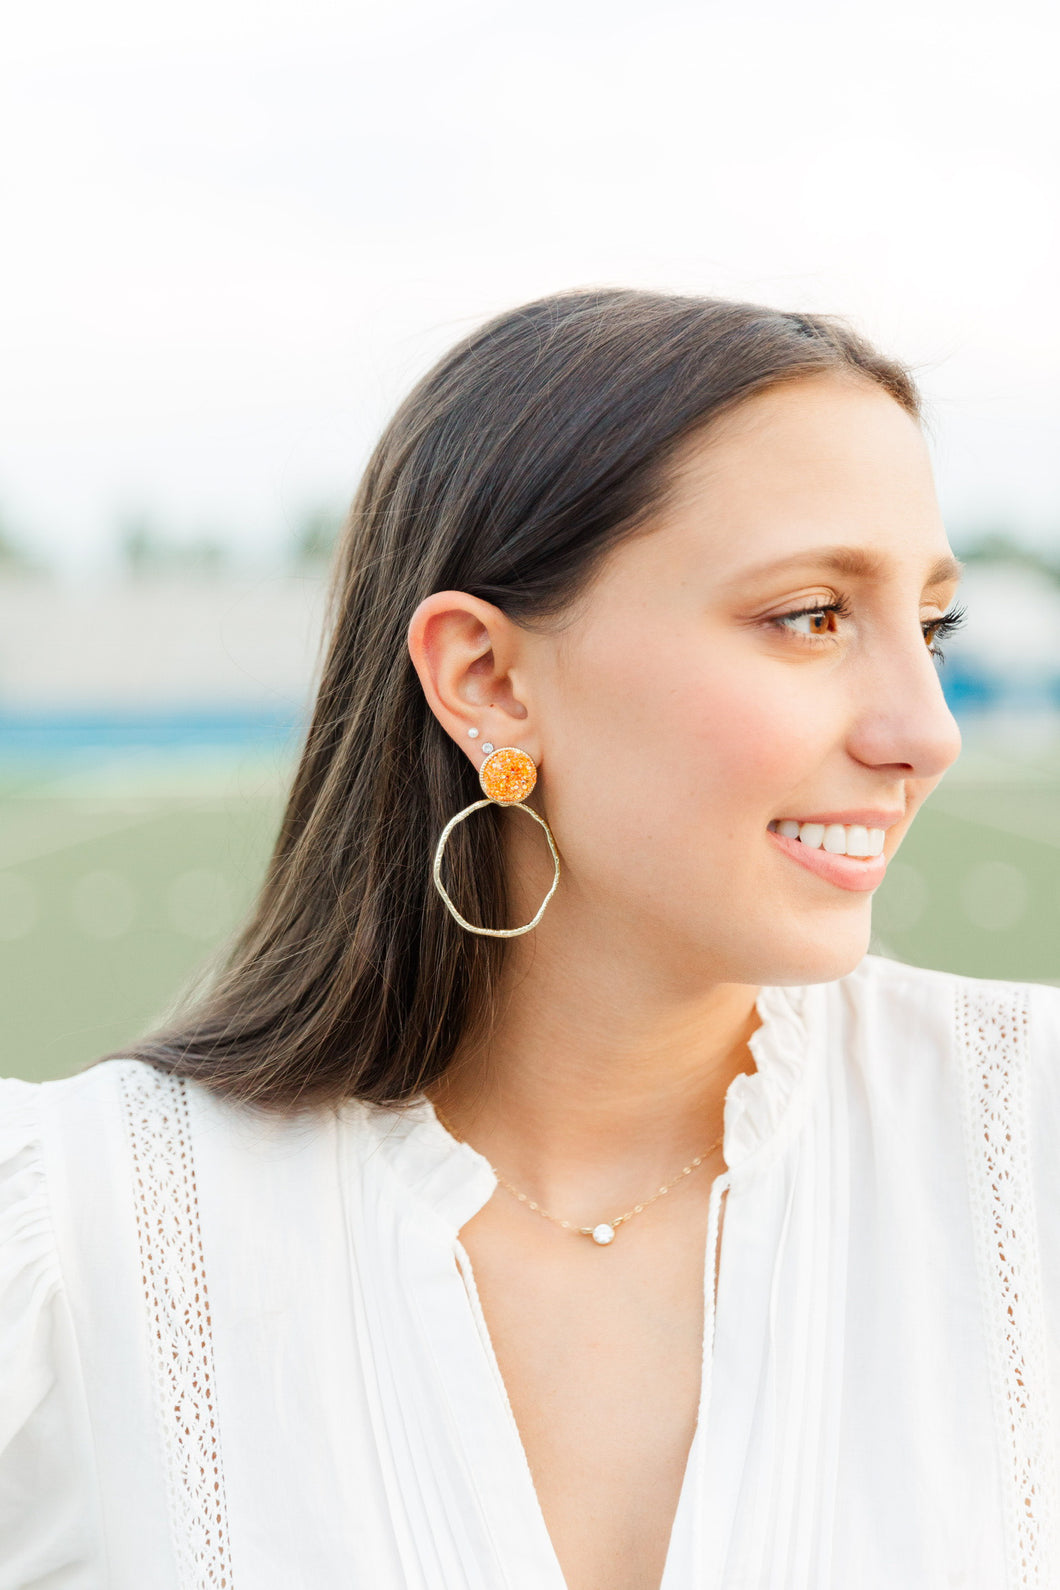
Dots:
pixel 487 747
pixel 472 734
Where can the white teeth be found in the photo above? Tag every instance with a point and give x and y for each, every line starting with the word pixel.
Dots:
pixel 834 837
pixel 858 843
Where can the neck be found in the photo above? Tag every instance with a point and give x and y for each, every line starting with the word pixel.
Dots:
pixel 597 1079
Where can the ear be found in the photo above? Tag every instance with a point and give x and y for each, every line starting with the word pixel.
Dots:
pixel 468 657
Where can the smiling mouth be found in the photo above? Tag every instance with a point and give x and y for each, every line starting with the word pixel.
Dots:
pixel 838 839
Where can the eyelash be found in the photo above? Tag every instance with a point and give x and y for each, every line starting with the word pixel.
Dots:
pixel 948 624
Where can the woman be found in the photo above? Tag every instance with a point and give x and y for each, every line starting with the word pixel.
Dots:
pixel 573 1201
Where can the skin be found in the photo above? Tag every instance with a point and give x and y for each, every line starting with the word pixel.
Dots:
pixel 672 717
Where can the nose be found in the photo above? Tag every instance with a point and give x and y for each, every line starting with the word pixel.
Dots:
pixel 901 718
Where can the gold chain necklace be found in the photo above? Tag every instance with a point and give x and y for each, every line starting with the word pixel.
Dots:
pixel 603 1234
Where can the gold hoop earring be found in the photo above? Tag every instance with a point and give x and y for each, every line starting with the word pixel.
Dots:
pixel 507 776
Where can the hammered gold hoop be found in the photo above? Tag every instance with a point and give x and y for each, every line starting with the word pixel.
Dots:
pixel 507 775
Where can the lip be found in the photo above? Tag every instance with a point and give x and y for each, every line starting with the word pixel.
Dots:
pixel 865 816
pixel 846 872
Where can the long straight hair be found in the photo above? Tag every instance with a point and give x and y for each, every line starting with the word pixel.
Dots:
pixel 509 471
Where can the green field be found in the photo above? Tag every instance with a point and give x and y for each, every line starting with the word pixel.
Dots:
pixel 114 886
pixel 115 881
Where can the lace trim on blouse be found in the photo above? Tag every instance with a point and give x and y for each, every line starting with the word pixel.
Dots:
pixel 178 1310
pixel 992 1026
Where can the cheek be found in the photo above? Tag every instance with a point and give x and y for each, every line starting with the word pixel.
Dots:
pixel 650 752
pixel 745 743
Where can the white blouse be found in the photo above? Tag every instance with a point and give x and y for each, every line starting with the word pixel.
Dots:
pixel 236 1351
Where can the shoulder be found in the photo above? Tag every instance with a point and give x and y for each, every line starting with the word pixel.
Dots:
pixel 895 990
pixel 902 1025
pixel 95 1142
pixel 89 1147
pixel 137 1098
pixel 86 1094
pixel 885 1013
pixel 996 1040
pixel 47 1508
pixel 64 1159
pixel 48 1120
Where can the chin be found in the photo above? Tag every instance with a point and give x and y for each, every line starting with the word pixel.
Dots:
pixel 820 955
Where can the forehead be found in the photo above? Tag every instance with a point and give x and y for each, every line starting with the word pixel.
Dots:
pixel 816 462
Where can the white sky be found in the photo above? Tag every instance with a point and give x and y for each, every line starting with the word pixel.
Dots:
pixel 234 233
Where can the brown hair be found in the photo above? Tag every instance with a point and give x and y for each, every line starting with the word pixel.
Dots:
pixel 508 472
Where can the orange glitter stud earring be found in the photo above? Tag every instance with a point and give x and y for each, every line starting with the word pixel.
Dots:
pixel 507 777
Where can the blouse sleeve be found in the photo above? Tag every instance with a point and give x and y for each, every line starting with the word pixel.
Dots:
pixel 48 1493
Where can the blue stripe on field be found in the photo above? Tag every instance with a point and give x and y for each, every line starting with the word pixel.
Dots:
pixel 62 732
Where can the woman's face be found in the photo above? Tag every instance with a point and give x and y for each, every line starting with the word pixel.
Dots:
pixel 683 710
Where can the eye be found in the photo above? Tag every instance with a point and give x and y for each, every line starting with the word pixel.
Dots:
pixel 840 608
pixel 946 625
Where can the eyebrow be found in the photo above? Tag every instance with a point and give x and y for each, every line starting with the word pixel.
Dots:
pixel 856 562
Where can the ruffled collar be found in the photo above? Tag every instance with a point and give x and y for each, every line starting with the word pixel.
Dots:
pixel 762 1106
pixel 450 1177
pixel 761 1112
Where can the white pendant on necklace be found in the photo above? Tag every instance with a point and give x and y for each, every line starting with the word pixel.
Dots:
pixel 603 1234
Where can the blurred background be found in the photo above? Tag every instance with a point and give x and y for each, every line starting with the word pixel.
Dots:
pixel 235 234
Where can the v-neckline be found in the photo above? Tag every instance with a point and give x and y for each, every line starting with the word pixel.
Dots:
pixel 684 1519
pixel 455 1182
